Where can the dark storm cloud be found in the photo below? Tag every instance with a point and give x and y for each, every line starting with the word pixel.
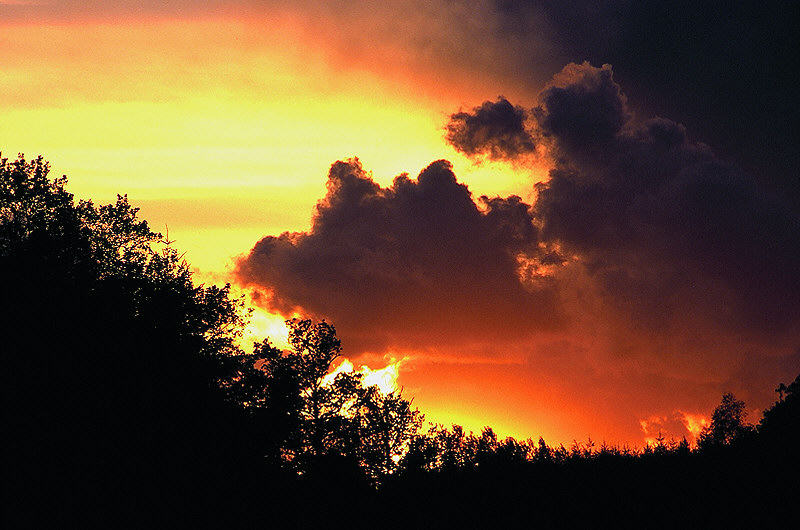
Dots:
pixel 495 129
pixel 665 228
pixel 418 263
pixel 725 70
pixel 641 231
pixel 583 108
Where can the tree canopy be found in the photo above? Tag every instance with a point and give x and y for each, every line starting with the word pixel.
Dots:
pixel 112 356
pixel 136 366
pixel 728 423
pixel 319 417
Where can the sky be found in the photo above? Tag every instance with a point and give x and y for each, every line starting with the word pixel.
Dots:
pixel 561 219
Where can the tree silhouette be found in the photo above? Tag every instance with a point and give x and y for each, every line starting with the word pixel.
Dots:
pixel 315 417
pixel 326 431
pixel 112 356
pixel 780 390
pixel 780 425
pixel 727 423
pixel 386 424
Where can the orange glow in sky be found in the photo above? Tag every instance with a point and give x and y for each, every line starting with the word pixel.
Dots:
pixel 219 130
pixel 222 127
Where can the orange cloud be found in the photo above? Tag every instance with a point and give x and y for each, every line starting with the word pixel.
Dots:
pixel 673 428
pixel 638 291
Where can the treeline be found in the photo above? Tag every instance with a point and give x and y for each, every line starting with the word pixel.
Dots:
pixel 130 399
pixel 739 475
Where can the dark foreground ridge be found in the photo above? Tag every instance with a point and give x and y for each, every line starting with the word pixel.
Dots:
pixel 130 403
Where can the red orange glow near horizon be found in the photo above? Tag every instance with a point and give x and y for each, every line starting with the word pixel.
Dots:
pixel 222 129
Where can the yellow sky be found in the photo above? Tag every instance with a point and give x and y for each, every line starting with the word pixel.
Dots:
pixel 223 131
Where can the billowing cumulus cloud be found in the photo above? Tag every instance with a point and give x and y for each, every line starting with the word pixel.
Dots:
pixel 648 272
pixel 664 228
pixel 724 71
pixel 418 264
pixel 682 269
pixel 583 108
pixel 494 129
pixel 668 235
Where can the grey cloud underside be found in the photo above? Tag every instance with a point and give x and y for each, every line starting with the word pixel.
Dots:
pixel 418 262
pixel 726 71
pixel 494 129
pixel 662 226
pixel 666 238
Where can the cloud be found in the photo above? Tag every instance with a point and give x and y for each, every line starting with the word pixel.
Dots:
pixel 660 265
pixel 494 129
pixel 648 274
pixel 665 236
pixel 719 70
pixel 418 264
pixel 665 230
pixel 641 246
pixel 583 108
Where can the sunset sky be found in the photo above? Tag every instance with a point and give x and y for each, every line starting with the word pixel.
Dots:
pixel 558 218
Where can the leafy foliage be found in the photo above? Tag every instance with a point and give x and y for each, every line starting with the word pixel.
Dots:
pixel 319 417
pixel 112 356
pixel 385 424
pixel 779 429
pixel 727 423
